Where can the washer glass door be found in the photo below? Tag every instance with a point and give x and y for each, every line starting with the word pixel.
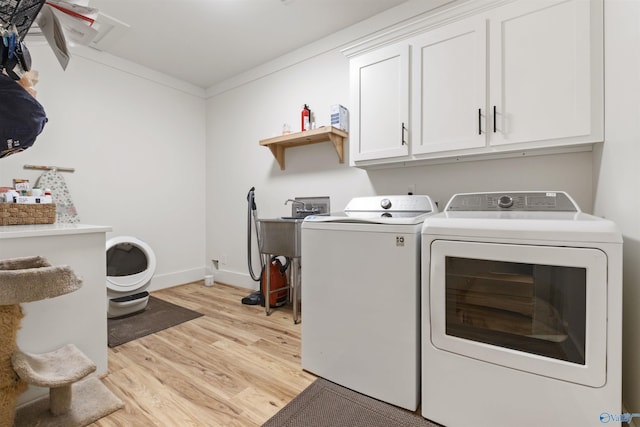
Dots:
pixel 540 309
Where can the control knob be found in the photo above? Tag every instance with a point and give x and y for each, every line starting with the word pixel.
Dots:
pixel 385 203
pixel 505 201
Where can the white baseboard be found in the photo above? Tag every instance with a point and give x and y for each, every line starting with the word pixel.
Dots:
pixel 168 280
pixel 242 280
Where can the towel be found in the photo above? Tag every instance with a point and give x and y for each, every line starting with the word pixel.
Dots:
pixel 65 209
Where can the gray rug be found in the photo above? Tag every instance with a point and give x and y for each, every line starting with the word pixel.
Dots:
pixel 325 404
pixel 158 315
pixel 90 401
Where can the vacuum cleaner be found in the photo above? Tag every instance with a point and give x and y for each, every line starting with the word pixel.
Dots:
pixel 276 269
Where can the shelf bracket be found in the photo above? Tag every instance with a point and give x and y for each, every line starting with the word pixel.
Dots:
pixel 278 153
pixel 338 143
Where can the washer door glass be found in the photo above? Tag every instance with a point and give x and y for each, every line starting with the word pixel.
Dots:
pixel 539 309
pixel 125 259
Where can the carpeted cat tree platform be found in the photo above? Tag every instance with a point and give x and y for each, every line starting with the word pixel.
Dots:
pixel 75 398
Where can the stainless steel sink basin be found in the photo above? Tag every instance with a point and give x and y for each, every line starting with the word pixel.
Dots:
pixel 281 236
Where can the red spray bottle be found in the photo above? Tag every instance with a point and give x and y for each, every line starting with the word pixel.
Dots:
pixel 305 118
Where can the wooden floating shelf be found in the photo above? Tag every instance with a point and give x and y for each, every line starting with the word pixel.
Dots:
pixel 278 144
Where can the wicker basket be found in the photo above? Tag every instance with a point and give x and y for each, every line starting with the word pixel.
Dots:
pixel 19 213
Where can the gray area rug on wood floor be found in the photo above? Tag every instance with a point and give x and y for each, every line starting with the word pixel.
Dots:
pixel 158 315
pixel 325 404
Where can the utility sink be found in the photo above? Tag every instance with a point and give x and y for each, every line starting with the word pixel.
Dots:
pixel 281 236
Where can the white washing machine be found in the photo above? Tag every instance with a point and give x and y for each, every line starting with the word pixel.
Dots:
pixel 361 296
pixel 521 313
pixel 131 263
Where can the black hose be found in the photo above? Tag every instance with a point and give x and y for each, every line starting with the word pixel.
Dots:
pixel 251 206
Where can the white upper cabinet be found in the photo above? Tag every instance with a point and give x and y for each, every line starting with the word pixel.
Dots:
pixel 525 76
pixel 449 89
pixel 543 83
pixel 380 104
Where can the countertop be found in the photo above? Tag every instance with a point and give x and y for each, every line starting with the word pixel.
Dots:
pixel 38 230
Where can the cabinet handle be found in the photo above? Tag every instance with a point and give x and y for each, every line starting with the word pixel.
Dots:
pixel 402 135
pixel 494 119
pixel 479 121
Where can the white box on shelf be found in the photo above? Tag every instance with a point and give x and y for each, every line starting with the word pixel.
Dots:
pixel 340 117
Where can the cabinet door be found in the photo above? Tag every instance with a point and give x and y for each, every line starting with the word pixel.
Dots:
pixel 380 104
pixel 546 72
pixel 448 87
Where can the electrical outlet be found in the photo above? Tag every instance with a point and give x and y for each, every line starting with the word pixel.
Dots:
pixel 223 260
pixel 411 189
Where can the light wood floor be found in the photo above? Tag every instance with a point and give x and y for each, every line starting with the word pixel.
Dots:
pixel 234 366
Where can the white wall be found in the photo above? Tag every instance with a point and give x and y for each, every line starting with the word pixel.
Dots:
pixel 256 108
pixel 617 174
pixel 137 145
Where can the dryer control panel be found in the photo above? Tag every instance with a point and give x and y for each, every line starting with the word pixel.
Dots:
pixel 532 201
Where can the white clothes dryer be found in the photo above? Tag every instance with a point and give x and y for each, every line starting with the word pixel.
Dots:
pixel 521 312
pixel 360 296
pixel 131 263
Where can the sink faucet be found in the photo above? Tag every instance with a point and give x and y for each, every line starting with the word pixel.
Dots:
pixel 297 202
pixel 304 209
